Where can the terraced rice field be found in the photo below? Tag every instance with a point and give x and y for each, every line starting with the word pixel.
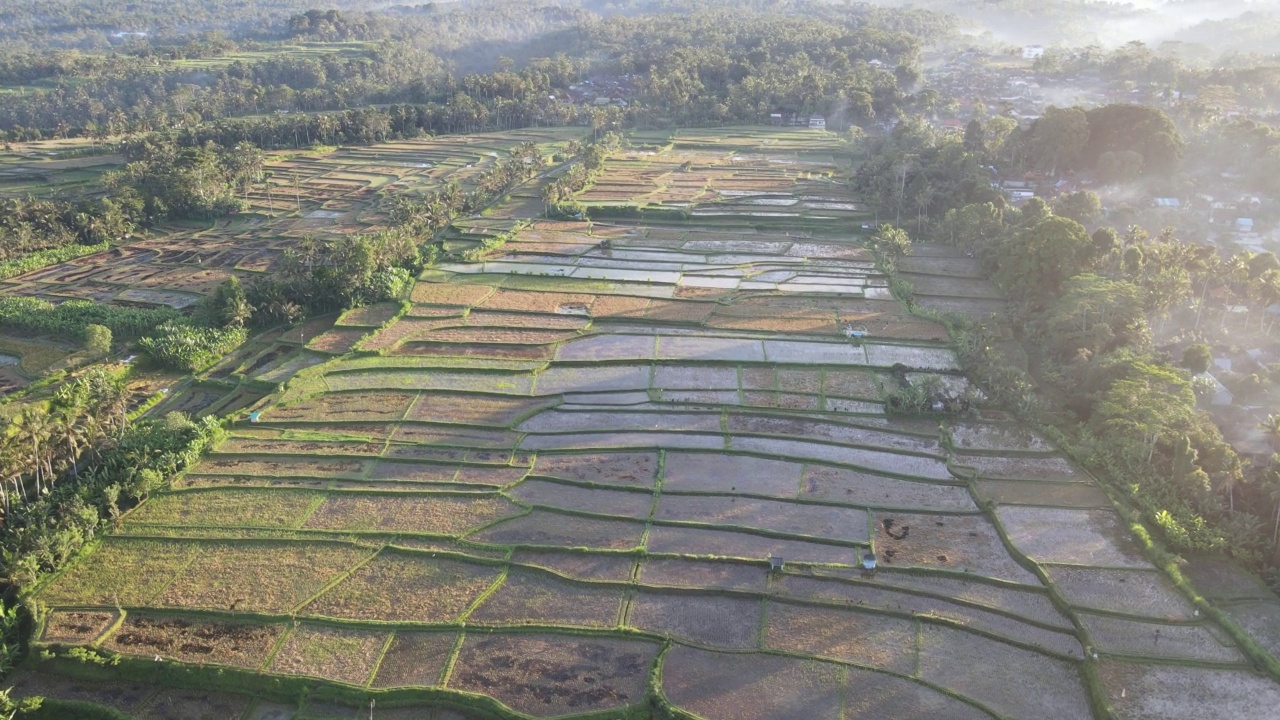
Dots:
pixel 327 194
pixel 560 480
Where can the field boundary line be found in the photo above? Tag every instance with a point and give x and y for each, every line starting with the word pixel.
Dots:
pixel 289 630
pixel 199 551
pixel 446 672
pixel 121 616
pixel 313 507
pixel 484 596
pixel 763 643
pixel 338 579
pixel 377 664
pixel 919 650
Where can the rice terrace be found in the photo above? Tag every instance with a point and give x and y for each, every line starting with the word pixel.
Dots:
pixel 641 465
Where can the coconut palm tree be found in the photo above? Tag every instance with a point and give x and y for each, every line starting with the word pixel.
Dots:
pixel 69 437
pixel 33 430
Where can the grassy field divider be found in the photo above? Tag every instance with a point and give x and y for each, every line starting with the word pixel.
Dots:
pixel 278 645
pixel 382 654
pixel 121 616
pixel 624 607
pixel 338 579
pixel 452 660
pixel 484 596
pixel 764 623
pixel 315 504
pixel 526 507
pixel 919 649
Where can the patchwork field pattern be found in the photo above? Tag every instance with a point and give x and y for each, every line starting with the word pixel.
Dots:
pixel 335 193
pixel 646 462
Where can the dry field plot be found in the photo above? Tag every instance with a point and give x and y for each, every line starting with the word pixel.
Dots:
pixel 406 586
pixel 865 639
pixel 717 621
pixel 1011 681
pixel 219 643
pixel 257 508
pixel 589 500
pixel 626 469
pixel 75 627
pixel 537 598
pixel 578 457
pixel 415 659
pixel 612 567
pixel 720 686
pixel 546 528
pixel 270 577
pixel 550 675
pixel 330 653
pixel 1166 692
pixel 965 543
pixel 433 513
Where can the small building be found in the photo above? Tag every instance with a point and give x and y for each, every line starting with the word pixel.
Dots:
pixel 775 118
pixel 776 564
pixel 1165 202
pixel 1221 396
pixel 1031 52
pixel 1244 225
pixel 817 122
pixel 869 562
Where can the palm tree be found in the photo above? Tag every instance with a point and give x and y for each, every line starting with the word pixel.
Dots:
pixel 69 436
pixel 33 430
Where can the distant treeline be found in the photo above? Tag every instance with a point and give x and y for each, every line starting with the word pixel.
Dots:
pixel 853 63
